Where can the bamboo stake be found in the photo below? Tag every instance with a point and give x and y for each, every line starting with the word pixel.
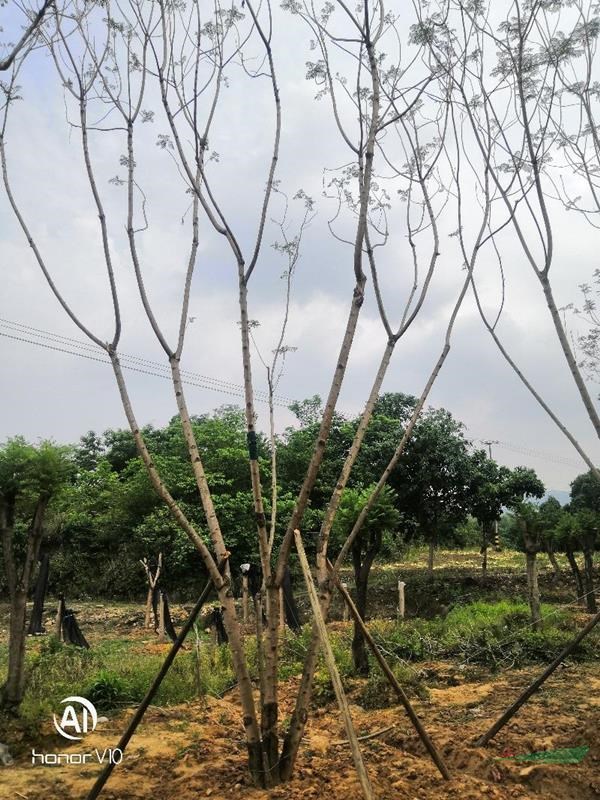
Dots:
pixel 281 610
pixel 437 759
pixel 344 606
pixel 344 742
pixel 533 687
pixel 333 671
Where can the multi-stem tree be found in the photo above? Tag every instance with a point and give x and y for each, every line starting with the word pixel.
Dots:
pixel 170 62
pixel 524 484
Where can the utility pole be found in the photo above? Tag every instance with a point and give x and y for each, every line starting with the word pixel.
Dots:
pixel 489 443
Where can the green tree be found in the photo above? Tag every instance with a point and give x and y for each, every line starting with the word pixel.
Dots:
pixel 295 448
pixel 89 450
pixel 433 477
pixel 488 494
pixel 523 483
pixel 30 477
pixel 551 513
pixel 93 550
pixel 383 518
pixel 112 517
pixel 585 502
pixel 566 539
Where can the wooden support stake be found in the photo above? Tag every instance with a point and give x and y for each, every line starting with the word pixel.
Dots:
pixel 437 759
pixel 401 604
pixel 533 687
pixel 333 671
pixel 365 737
pixel 344 606
pixel 245 606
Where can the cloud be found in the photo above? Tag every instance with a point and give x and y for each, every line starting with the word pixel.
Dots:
pixel 54 394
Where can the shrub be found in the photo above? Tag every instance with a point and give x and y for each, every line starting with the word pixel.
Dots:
pixel 107 691
pixel 323 691
pixel 377 692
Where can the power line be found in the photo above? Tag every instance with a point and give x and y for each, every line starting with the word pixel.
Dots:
pixel 56 342
pixel 533 453
pixel 76 347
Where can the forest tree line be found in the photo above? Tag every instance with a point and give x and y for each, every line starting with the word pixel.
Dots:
pixel 104 516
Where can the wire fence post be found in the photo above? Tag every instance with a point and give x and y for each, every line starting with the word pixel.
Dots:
pixel 401 599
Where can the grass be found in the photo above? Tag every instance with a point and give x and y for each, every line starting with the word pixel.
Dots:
pixel 491 634
pixel 496 635
pixel 483 630
pixel 117 673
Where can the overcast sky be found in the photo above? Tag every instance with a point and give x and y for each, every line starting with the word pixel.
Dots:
pixel 48 393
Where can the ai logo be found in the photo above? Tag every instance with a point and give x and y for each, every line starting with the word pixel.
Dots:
pixel 84 722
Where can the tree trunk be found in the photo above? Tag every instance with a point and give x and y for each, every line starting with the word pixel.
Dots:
pixel 223 587
pixel 576 573
pixel 533 589
pixel 362 570
pixel 555 565
pixel 36 621
pixel 588 576
pixel 148 614
pixel 360 658
pixel 431 554
pixel 568 352
pixel 484 549
pixel 14 688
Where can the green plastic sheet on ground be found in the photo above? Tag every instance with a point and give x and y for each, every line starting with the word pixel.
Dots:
pixel 567 755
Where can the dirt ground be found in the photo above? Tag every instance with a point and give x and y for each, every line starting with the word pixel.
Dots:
pixel 197 750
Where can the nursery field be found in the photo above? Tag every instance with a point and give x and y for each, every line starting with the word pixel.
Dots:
pixel 463 654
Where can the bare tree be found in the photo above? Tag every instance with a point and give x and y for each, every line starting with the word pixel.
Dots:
pixel 290 248
pixel 181 58
pixel 504 93
pixel 152 579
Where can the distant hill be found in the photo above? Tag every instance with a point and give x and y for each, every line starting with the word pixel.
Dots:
pixel 561 495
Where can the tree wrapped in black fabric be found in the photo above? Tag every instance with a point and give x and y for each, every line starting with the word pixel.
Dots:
pixel 71 631
pixel 215 621
pixel 168 622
